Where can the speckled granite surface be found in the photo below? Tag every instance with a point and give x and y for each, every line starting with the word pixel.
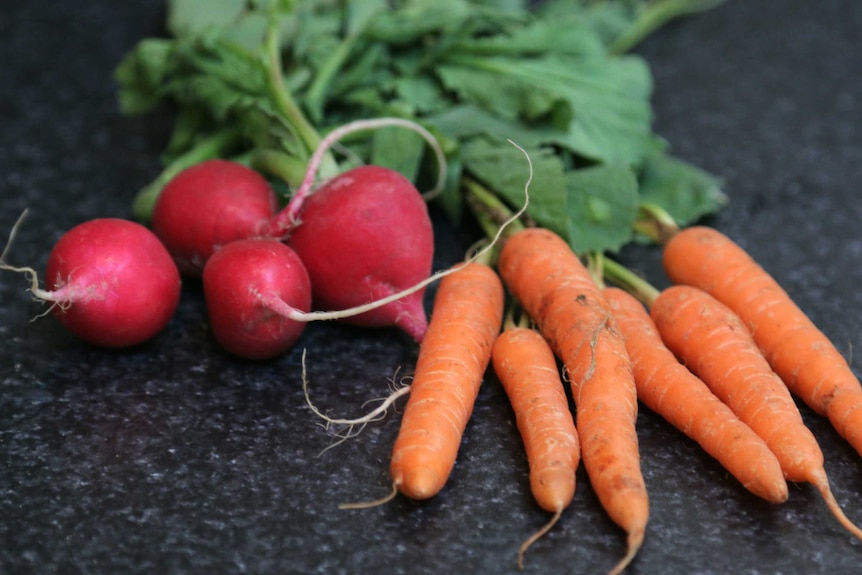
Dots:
pixel 174 458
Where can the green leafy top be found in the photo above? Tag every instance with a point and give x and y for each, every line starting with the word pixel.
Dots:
pixel 259 80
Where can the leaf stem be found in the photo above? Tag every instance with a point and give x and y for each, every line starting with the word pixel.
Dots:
pixel 623 277
pixel 210 147
pixel 284 101
pixel 286 167
pixel 655 15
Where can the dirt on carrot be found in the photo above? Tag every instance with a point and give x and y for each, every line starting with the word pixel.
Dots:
pixel 670 389
pixel 808 363
pixel 557 291
pixel 526 367
pixel 714 343
pixel 466 319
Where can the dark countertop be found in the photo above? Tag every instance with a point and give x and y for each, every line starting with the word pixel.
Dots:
pixel 174 458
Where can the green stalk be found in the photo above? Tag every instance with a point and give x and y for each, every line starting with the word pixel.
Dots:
pixel 288 168
pixel 655 223
pixel 285 103
pixel 208 148
pixel 491 212
pixel 623 277
pixel 320 85
pixel 654 16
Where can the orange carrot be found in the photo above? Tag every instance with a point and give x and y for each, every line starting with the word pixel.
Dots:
pixel 671 390
pixel 808 363
pixel 714 343
pixel 558 292
pixel 527 368
pixel 456 350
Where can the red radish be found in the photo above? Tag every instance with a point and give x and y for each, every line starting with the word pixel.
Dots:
pixel 364 235
pixel 218 201
pixel 256 292
pixel 209 205
pixel 112 283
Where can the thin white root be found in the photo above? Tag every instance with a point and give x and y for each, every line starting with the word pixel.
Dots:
pixel 822 484
pixel 356 126
pixel 536 536
pixel 373 503
pixel 351 424
pixel 32 276
pixel 635 540
pixel 298 315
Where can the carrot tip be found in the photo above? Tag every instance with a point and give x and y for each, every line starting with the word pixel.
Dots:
pixel 536 536
pixel 374 503
pixel 635 540
pixel 822 485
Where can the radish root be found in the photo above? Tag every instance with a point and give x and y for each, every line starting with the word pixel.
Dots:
pixel 290 216
pixel 351 424
pixel 56 298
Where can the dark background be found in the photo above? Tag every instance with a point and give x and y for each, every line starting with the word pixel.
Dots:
pixel 174 458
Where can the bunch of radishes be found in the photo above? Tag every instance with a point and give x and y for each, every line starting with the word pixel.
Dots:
pixel 362 240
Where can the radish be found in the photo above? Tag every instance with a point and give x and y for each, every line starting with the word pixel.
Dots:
pixel 217 202
pixel 208 205
pixel 112 282
pixel 256 291
pixel 364 235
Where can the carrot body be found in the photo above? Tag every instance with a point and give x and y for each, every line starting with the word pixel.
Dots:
pixel 527 368
pixel 456 350
pixel 671 390
pixel 558 292
pixel 525 365
pixel 808 363
pixel 714 343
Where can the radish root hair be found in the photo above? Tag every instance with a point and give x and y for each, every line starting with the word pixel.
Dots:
pixel 32 276
pixel 398 390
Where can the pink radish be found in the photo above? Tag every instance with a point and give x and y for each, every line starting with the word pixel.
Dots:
pixel 216 202
pixel 364 235
pixel 208 205
pixel 256 291
pixel 112 283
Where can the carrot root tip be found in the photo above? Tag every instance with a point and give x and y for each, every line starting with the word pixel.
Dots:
pixel 536 536
pixel 373 503
pixel 635 540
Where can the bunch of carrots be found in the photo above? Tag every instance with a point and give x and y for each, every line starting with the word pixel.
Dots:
pixel 718 355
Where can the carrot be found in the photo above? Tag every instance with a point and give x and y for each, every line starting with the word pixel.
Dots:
pixel 708 337
pixel 527 368
pixel 455 352
pixel 808 363
pixel 557 291
pixel 667 387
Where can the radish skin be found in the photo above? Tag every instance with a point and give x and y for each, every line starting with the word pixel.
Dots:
pixel 364 235
pixel 256 291
pixel 110 282
pixel 209 205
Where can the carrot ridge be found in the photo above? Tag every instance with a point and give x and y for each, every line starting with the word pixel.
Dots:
pixel 713 341
pixel 527 369
pixel 801 354
pixel 668 388
pixel 557 291
pixel 456 350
